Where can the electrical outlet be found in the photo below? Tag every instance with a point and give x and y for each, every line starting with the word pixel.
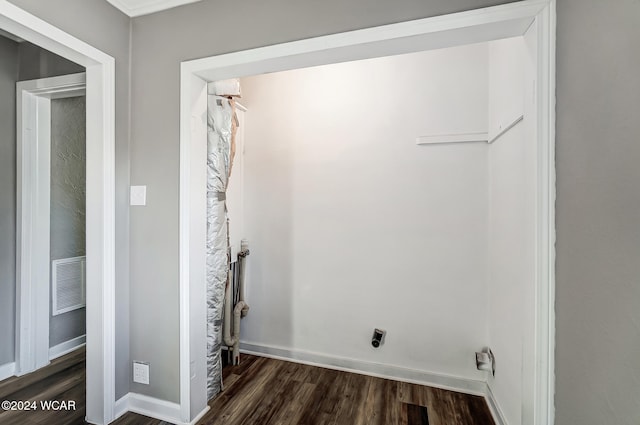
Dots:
pixel 141 372
pixel 138 195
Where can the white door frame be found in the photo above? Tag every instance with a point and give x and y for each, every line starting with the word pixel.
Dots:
pixel 100 86
pixel 508 20
pixel 33 212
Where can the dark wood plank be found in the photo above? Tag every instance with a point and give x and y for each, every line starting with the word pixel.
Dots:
pixel 455 408
pixel 478 409
pixel 63 381
pixel 299 401
pixel 324 398
pixel 278 391
pixel 370 411
pixel 136 419
pixel 391 407
pixel 413 394
pixel 354 393
pixel 263 391
pixel 416 415
pixel 234 404
pixel 16 383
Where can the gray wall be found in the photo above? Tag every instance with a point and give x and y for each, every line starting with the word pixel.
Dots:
pixel 68 200
pixel 20 61
pixel 8 75
pixel 598 213
pixel 597 164
pixel 598 240
pixel 106 28
pixel 160 42
pixel 35 62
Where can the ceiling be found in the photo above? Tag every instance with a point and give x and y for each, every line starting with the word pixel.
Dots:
pixel 144 7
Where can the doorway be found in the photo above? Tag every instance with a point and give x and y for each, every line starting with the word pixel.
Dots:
pixel 51 198
pixel 100 213
pixel 452 30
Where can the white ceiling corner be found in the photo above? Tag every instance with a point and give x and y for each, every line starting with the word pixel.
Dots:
pixel 144 7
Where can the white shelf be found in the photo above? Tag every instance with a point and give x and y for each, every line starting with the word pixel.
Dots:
pixel 453 138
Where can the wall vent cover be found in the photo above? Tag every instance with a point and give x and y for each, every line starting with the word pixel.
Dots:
pixel 68 282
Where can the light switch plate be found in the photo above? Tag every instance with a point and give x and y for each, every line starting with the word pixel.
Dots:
pixel 138 195
pixel 141 372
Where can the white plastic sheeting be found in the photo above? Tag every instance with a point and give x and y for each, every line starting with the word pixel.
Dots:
pixel 220 127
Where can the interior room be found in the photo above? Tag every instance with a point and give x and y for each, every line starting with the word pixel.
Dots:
pixel 386 194
pixel 43 223
pixel 319 212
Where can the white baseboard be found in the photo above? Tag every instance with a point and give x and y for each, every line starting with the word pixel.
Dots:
pixel 379 370
pixel 199 416
pixel 153 407
pixel 67 347
pixel 122 406
pixel 494 407
pixel 7 370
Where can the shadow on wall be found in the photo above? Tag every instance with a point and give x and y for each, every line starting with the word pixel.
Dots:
pixel 268 184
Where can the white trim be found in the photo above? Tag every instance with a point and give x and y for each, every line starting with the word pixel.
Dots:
pixel 67 347
pixel 121 407
pixel 193 127
pixel 453 138
pixel 199 416
pixel 132 10
pixel 241 107
pixel 32 229
pixel 545 286
pixel 508 20
pixel 502 129
pixel 153 407
pixel 454 29
pixel 63 86
pixel 33 163
pixel 494 407
pixel 7 370
pixel 100 71
pixel 185 247
pixel 378 370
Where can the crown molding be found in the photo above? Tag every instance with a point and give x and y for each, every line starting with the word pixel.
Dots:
pixel 134 8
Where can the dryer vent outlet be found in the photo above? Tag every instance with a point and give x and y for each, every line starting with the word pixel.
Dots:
pixel 378 337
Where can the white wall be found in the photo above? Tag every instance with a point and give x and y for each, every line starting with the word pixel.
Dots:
pixel 511 224
pixel 198 30
pixel 352 226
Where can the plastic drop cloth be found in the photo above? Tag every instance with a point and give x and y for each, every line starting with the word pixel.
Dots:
pixel 220 127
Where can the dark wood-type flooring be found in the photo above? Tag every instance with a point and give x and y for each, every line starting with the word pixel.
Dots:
pixel 263 391
pixel 62 380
